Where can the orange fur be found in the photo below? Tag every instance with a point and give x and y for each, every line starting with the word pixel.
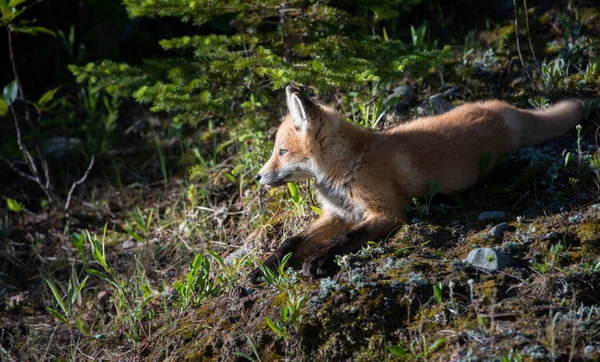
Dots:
pixel 365 179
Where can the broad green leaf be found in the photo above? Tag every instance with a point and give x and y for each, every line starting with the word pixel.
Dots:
pixel 77 239
pixel 197 263
pixel 437 344
pixel 285 314
pixel 147 290
pixel 316 209
pixel 568 158
pixel 57 296
pixel 397 351
pixel 15 206
pixel 13 3
pixel 47 97
pixel 57 315
pixel 294 191
pixel 34 30
pixel 284 261
pixel 3 108
pixel 275 327
pixel 9 93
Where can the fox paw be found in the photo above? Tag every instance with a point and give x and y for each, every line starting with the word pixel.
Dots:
pixel 319 264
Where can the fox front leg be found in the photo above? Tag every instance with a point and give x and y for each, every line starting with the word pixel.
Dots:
pixel 321 262
pixel 321 232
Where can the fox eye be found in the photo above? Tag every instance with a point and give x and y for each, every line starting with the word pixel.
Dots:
pixel 282 151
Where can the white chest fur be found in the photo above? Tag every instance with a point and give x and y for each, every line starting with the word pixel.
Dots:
pixel 339 201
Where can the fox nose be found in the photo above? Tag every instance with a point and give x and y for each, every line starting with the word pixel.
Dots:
pixel 258 176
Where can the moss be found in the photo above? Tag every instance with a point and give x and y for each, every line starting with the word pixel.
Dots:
pixel 589 234
pixel 487 290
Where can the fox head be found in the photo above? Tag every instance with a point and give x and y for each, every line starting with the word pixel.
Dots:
pixel 293 157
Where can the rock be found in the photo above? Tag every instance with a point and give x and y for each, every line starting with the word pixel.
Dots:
pixel 489 258
pixel 491 215
pixel 129 244
pixel 434 105
pixel 403 91
pixel 57 147
pixel 452 93
pixel 237 254
pixel 497 232
pixel 240 292
pixel 552 236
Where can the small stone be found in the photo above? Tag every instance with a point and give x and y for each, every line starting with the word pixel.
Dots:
pixel 58 147
pixel 236 255
pixel 403 91
pixel 129 244
pixel 241 292
pixel 497 232
pixel 552 236
pixel 452 93
pixel 491 215
pixel 489 258
pixel 434 105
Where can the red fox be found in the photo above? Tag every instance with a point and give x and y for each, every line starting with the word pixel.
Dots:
pixel 365 179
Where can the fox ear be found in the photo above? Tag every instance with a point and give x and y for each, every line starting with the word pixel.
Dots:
pixel 300 107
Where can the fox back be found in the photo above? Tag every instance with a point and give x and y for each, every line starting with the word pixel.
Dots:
pixel 366 179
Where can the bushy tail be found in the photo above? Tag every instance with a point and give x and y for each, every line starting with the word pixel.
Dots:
pixel 553 122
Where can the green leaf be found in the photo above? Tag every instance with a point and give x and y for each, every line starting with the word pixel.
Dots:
pixel 47 97
pixel 568 158
pixel 275 327
pixel 217 258
pixel 34 30
pixel 397 351
pixel 77 239
pixel 57 315
pixel 284 261
pixel 57 296
pixel 79 289
pixel 149 220
pixel 316 209
pixel 107 278
pixel 294 191
pixel 197 263
pixel 13 3
pixel 3 108
pixel 9 93
pixel 437 344
pixel 15 206
pixel 285 312
pixel 437 292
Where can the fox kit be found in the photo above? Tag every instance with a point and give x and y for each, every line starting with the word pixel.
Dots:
pixel 364 179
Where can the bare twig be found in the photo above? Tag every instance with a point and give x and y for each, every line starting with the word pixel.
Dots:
pixel 76 183
pixel 528 33
pixel 35 175
pixel 21 173
pixel 517 33
pixel 16 74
